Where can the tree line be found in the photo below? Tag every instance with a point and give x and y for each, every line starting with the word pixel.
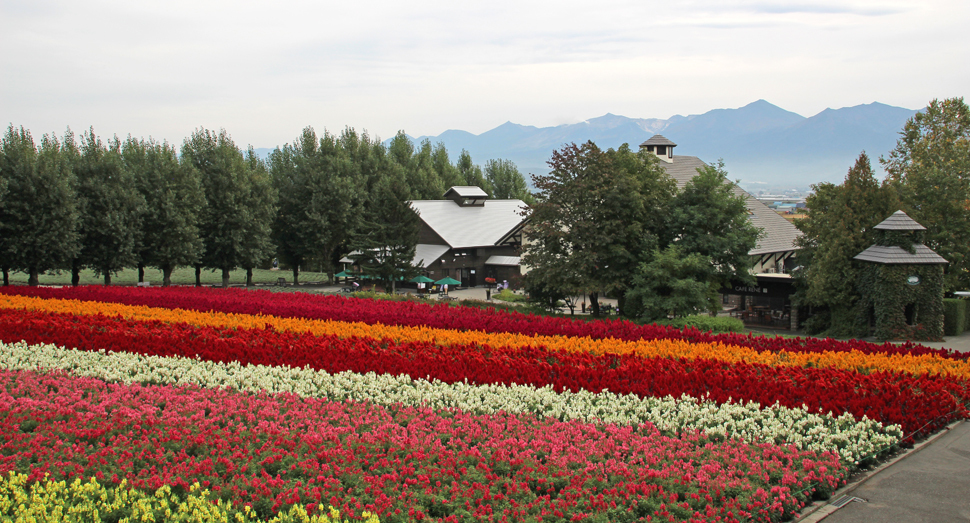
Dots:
pixel 928 178
pixel 75 203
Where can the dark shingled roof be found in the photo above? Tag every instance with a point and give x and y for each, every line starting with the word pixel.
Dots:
pixel 893 255
pixel 779 233
pixel 657 139
pixel 900 221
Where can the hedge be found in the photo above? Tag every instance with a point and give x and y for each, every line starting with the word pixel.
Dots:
pixel 954 316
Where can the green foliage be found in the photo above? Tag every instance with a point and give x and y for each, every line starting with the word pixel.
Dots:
pixel 838 226
pixel 39 219
pixel 594 216
pixel 172 190
pixel 706 323
pixel 473 174
pixel 930 167
pixel 239 202
pixel 509 296
pixel 111 207
pixel 710 218
pixel 388 235
pixel 954 316
pixel 506 181
pixel 887 297
pixel 672 283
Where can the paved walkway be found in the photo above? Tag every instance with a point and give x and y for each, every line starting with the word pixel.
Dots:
pixel 928 484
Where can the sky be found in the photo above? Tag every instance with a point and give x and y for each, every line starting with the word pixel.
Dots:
pixel 265 70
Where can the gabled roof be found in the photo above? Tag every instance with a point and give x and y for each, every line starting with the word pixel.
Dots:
pixel 900 221
pixel 466 191
pixel 658 139
pixel 893 255
pixel 425 254
pixel 472 226
pixel 779 233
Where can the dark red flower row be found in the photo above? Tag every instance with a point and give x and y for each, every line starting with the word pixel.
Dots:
pixel 920 404
pixel 331 307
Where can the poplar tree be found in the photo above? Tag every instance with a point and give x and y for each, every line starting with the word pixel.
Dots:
pixel 174 200
pixel 39 217
pixel 506 181
pixel 111 208
pixel 236 197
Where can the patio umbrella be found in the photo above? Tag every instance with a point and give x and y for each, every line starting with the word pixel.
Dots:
pixel 421 279
pixel 447 280
pixel 343 274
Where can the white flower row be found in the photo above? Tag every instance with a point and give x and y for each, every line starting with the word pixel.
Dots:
pixel 853 439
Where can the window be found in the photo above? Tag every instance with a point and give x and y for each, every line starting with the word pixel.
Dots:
pixel 661 150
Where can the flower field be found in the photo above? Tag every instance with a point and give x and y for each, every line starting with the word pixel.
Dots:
pixel 258 406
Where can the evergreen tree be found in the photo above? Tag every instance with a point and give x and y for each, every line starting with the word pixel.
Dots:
pixel 838 226
pixel 388 236
pixel 449 175
pixel 930 168
pixel 174 200
pixel 111 208
pixel 39 218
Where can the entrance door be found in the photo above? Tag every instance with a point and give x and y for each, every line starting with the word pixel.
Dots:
pixel 467 277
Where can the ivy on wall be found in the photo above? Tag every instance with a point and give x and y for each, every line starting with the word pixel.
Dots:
pixel 887 293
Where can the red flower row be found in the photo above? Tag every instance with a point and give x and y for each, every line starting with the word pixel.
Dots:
pixel 920 404
pixel 405 464
pixel 330 307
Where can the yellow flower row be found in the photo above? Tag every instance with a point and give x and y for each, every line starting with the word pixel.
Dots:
pixel 56 501
pixel 853 360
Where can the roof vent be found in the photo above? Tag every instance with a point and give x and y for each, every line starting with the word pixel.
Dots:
pixel 466 195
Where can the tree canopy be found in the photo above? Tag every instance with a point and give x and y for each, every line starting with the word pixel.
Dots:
pixel 930 169
pixel 838 226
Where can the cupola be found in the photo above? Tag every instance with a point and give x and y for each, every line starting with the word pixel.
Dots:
pixel 660 146
pixel 466 195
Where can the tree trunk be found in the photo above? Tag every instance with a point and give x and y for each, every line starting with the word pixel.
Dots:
pixel 166 276
pixel 296 275
pixel 198 275
pixel 141 274
pixel 594 303
pixel 225 277
pixel 393 287
pixel 6 277
pixel 107 278
pixel 32 278
pixel 249 277
pixel 75 273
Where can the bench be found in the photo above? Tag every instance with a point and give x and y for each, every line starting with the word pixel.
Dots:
pixel 144 284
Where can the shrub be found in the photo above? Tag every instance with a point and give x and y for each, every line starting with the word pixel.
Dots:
pixel 509 296
pixel 705 323
pixel 954 316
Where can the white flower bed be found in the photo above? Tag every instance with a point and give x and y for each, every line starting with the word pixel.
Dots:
pixel 853 439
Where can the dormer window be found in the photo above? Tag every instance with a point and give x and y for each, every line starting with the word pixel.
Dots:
pixel 467 196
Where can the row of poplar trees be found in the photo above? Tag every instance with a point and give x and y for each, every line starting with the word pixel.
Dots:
pixel 82 203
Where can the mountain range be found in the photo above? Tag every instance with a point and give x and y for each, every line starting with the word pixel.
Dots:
pixel 762 145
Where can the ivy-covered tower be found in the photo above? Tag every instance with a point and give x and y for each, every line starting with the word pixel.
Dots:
pixel 902 282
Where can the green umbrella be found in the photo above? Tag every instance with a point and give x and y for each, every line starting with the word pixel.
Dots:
pixel 447 280
pixel 421 279
pixel 343 274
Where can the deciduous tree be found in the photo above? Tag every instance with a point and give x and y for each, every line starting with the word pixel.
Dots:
pixel 506 181
pixel 174 200
pixel 39 218
pixel 930 168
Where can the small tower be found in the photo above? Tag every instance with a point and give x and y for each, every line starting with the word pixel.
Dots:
pixel 662 147
pixel 902 282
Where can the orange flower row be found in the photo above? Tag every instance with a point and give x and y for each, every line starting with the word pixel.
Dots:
pixel 665 348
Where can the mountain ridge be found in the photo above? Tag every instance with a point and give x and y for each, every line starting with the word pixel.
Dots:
pixel 761 143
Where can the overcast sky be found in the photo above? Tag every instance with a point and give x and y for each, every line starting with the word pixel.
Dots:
pixel 265 70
